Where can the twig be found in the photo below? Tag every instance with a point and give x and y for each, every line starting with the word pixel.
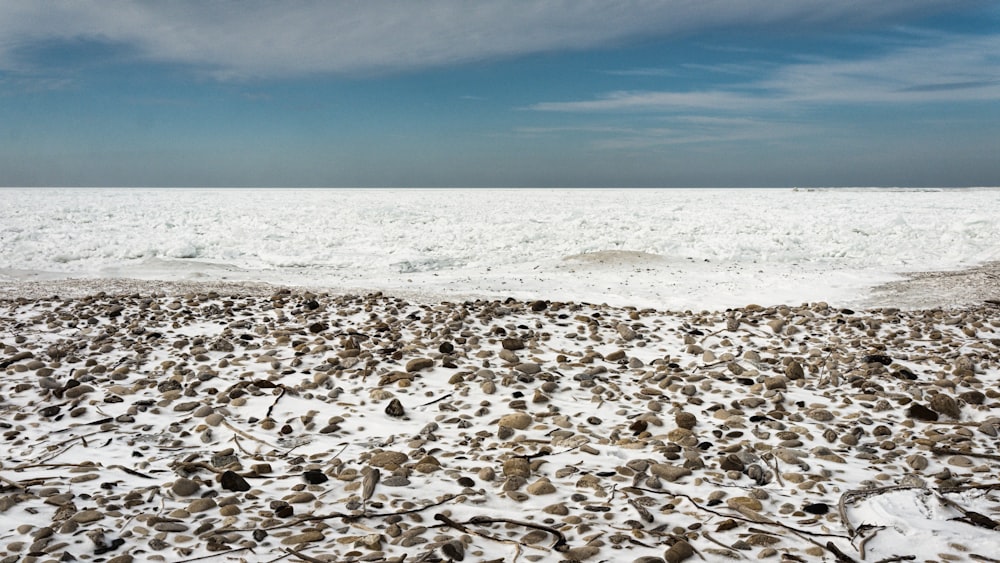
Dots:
pixel 978 557
pixel 275 403
pixel 560 545
pixel 896 558
pixel 462 528
pixel 342 516
pixel 247 435
pixel 218 554
pixel 438 400
pixel 14 484
pixel 303 556
pixel 949 451
pixel 131 471
pixel 705 535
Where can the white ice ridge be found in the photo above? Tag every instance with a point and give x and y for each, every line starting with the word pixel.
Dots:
pixel 669 248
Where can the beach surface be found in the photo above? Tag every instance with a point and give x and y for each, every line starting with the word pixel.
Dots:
pixel 182 421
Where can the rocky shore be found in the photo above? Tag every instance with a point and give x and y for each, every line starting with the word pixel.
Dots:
pixel 270 424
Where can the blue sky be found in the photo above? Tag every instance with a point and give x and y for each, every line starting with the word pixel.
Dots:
pixel 500 93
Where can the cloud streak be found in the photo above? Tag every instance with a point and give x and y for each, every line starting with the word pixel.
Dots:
pixel 256 38
pixel 957 69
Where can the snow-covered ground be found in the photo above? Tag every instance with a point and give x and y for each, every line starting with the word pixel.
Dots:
pixel 666 248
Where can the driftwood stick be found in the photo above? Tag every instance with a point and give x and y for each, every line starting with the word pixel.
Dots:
pixel 303 556
pixel 948 451
pixel 214 555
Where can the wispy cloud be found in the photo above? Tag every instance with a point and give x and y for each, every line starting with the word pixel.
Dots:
pixel 258 38
pixel 954 69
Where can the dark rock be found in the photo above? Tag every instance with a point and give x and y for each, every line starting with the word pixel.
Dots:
pixel 232 481
pixel 315 477
pixel 817 508
pixel 537 306
pixel 446 348
pixel 512 344
pixel 395 409
pixel 920 412
pixel 973 397
pixel 877 359
pixel 316 328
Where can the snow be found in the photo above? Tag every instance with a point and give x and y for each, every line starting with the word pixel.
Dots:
pixel 666 248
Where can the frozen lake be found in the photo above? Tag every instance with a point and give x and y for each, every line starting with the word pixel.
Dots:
pixel 665 248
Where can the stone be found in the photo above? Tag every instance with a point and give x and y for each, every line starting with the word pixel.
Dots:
pixel 946 405
pixel 515 420
pixel 793 371
pixel 417 364
pixel 84 516
pixel 201 505
pixel 541 487
pixel 680 551
pixel 232 481
pixel 395 408
pixel 185 487
pixel 669 472
pixel 745 502
pixel 304 537
pixel 528 368
pixel 626 332
pixel 388 459
pixel 917 411
pixel 516 467
pixel 315 477
pixel 685 420
pixel 512 344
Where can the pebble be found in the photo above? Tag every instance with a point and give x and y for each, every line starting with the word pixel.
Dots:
pixel 185 487
pixel 516 420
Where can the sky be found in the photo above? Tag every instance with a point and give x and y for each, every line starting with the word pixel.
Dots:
pixel 504 93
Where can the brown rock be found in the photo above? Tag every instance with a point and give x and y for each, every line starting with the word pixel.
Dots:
pixel 417 364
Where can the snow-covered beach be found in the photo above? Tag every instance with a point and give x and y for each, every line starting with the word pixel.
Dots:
pixel 499 375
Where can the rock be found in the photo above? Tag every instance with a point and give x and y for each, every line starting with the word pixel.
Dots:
pixel 625 331
pixel 775 382
pixel 516 467
pixel 185 487
pixel 417 364
pixel 388 459
pixel 817 508
pixel 232 481
pixel 78 391
pixel 512 344
pixel 793 371
pixel 685 420
pixel 446 348
pixel 85 516
pixel 304 537
pixel 201 505
pixel 581 553
pixel 315 477
pixel 678 552
pixel 669 472
pixel 946 405
pixel 746 502
pixel 821 415
pixel 528 368
pixel 515 420
pixel 541 487
pixel 395 408
pixel 917 411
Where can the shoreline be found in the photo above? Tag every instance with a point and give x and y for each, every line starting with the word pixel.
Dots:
pixel 945 289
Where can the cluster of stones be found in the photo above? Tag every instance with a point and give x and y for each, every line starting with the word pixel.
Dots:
pixel 368 428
